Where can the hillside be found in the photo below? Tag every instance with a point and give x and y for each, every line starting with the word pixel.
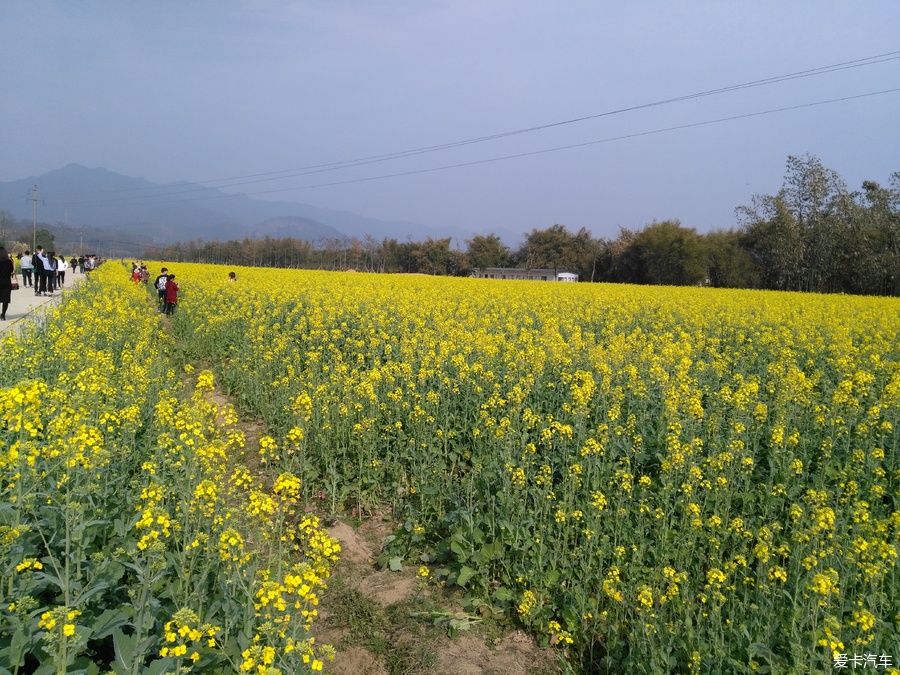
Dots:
pixel 100 198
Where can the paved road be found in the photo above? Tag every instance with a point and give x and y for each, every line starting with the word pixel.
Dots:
pixel 25 304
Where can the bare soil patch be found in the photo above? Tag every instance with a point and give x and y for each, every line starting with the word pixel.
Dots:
pixel 516 654
pixel 356 660
pixel 378 620
pixel 388 588
pixel 355 549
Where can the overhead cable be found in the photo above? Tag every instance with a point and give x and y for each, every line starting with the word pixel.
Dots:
pixel 533 153
pixel 269 176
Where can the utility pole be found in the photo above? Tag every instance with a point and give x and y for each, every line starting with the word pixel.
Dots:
pixel 34 198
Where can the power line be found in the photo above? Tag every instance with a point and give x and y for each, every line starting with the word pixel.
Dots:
pixel 372 159
pixel 543 151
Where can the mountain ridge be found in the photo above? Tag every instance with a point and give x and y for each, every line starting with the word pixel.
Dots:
pixel 170 212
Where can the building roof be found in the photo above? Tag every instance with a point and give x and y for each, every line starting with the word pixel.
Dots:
pixel 515 270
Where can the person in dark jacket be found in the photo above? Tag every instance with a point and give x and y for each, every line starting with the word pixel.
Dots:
pixel 50 268
pixel 160 285
pixel 40 276
pixel 7 271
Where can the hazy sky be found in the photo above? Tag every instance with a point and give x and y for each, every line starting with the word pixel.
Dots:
pixel 212 89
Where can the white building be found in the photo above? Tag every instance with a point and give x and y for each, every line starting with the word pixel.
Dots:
pixel 523 274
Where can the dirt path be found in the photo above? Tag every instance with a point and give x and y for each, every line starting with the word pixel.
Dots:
pixel 383 623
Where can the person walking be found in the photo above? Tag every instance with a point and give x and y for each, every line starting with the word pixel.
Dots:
pixel 50 270
pixel 73 265
pixel 27 268
pixel 171 294
pixel 160 285
pixel 61 267
pixel 7 272
pixel 81 264
pixel 40 265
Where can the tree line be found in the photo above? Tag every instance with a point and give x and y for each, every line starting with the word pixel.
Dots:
pixel 20 235
pixel 813 235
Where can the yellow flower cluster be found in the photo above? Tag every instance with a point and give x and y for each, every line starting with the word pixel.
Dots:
pixel 287 487
pixel 526 605
pixel 231 547
pixel 184 637
pixel 29 564
pixel 154 522
pixel 59 623
pixel 558 635
pixel 825 584
pixel 320 550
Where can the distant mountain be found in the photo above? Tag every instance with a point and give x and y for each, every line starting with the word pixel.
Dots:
pixel 297 227
pixel 105 199
pixel 99 198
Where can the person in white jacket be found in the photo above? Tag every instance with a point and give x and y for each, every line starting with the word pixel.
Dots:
pixel 61 268
pixel 27 268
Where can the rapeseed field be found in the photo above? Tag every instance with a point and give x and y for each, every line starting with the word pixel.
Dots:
pixel 132 537
pixel 648 479
pixel 653 479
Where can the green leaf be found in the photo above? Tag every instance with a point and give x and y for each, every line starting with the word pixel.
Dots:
pixel 146 645
pixel 53 579
pixel 396 564
pixel 121 527
pixel 83 666
pixel 8 513
pixel 112 571
pixel 460 550
pixel 119 669
pixel 96 588
pixel 17 647
pixel 124 648
pixel 503 594
pixel 457 625
pixel 111 619
pixel 465 574
pixel 161 666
